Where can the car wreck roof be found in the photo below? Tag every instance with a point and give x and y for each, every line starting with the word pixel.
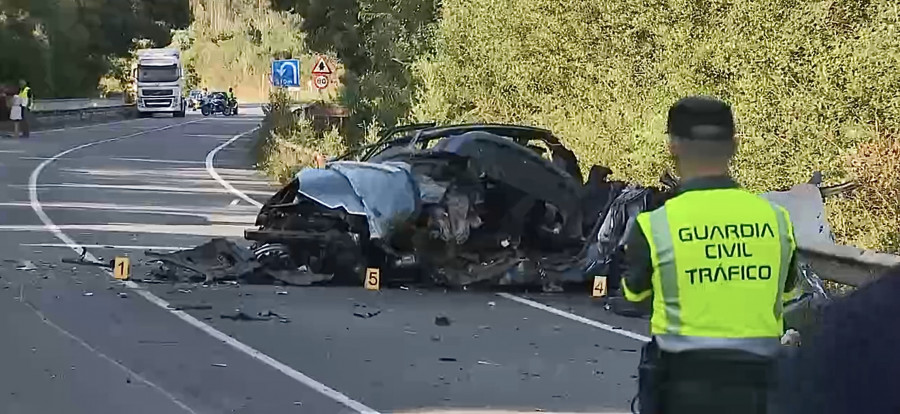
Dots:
pixel 508 130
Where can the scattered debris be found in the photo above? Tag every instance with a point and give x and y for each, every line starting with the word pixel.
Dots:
pixel 220 365
pixel 435 338
pixel 88 294
pixel 441 321
pixel 447 359
pixel 82 260
pixel 123 295
pixel 488 363
pixel 241 316
pixel 492 304
pixel 26 265
pixel 281 292
pixel 190 307
pixel 218 259
pixel 363 313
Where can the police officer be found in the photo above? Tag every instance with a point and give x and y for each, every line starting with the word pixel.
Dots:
pixel 715 261
pixel 27 100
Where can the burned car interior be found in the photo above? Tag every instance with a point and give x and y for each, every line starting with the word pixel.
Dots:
pixel 455 205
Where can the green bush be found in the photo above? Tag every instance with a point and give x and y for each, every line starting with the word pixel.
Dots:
pixel 810 82
pixel 289 143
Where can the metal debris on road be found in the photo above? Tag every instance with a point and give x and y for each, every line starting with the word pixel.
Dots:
pixel 281 292
pixel 190 307
pixel 447 359
pixel 441 321
pixel 365 314
pixel 241 316
pixel 88 294
pixel 26 265
pixel 123 295
pixel 220 365
pixel 82 260
pixel 492 304
pixel 488 363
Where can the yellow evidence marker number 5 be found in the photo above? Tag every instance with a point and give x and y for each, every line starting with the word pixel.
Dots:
pixel 122 268
pixel 599 289
pixel 373 278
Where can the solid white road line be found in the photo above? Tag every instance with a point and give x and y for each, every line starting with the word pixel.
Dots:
pixel 574 317
pixel 209 330
pixel 211 169
pixel 528 302
pixel 158 161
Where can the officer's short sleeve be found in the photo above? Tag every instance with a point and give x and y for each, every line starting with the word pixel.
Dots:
pixel 637 279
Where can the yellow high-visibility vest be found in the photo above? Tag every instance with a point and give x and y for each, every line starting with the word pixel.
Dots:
pixel 24 94
pixel 720 262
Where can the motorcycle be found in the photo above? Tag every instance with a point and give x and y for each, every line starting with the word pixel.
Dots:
pixel 218 103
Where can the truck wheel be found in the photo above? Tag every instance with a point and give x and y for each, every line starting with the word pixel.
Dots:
pixel 179 114
pixel 144 115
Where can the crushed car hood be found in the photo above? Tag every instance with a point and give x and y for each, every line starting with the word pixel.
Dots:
pixel 384 193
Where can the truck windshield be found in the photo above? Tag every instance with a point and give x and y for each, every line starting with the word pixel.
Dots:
pixel 158 73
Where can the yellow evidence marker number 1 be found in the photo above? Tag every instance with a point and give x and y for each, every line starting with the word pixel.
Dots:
pixel 599 289
pixel 122 268
pixel 373 278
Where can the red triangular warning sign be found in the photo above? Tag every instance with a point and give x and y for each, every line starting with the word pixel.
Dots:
pixel 321 67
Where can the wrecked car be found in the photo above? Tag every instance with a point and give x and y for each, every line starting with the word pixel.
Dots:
pixel 457 205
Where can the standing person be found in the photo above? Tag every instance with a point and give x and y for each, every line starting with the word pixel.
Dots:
pixel 716 260
pixel 15 115
pixel 27 99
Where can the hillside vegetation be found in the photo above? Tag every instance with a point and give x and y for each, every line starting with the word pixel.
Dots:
pixel 813 85
pixel 231 43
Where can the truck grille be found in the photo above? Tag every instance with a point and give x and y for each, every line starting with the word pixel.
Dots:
pixel 157 92
pixel 157 103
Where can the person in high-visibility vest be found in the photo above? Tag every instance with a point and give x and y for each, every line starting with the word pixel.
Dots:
pixel 715 261
pixel 27 99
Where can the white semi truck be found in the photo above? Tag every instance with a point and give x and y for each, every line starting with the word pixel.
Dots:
pixel 159 82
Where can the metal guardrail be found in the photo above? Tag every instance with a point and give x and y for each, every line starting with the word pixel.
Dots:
pixel 847 265
pixel 44 105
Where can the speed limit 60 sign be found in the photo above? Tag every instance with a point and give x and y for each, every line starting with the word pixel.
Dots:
pixel 321 81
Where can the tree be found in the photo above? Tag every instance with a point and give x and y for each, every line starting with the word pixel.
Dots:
pixel 63 47
pixel 377 41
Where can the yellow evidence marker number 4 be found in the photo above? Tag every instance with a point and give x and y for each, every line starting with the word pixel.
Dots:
pixel 599 289
pixel 373 278
pixel 122 268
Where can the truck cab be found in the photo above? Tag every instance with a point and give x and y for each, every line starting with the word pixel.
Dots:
pixel 159 82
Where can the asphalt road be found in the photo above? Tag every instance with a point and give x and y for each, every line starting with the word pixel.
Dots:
pixel 76 341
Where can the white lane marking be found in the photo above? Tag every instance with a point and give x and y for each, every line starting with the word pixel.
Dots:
pixel 234 343
pixel 153 188
pixel 574 317
pixel 191 211
pixel 106 246
pixel 219 230
pixel 208 136
pixel 95 351
pixel 528 302
pixel 86 126
pixel 211 169
pixel 158 161
pixel 51 227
